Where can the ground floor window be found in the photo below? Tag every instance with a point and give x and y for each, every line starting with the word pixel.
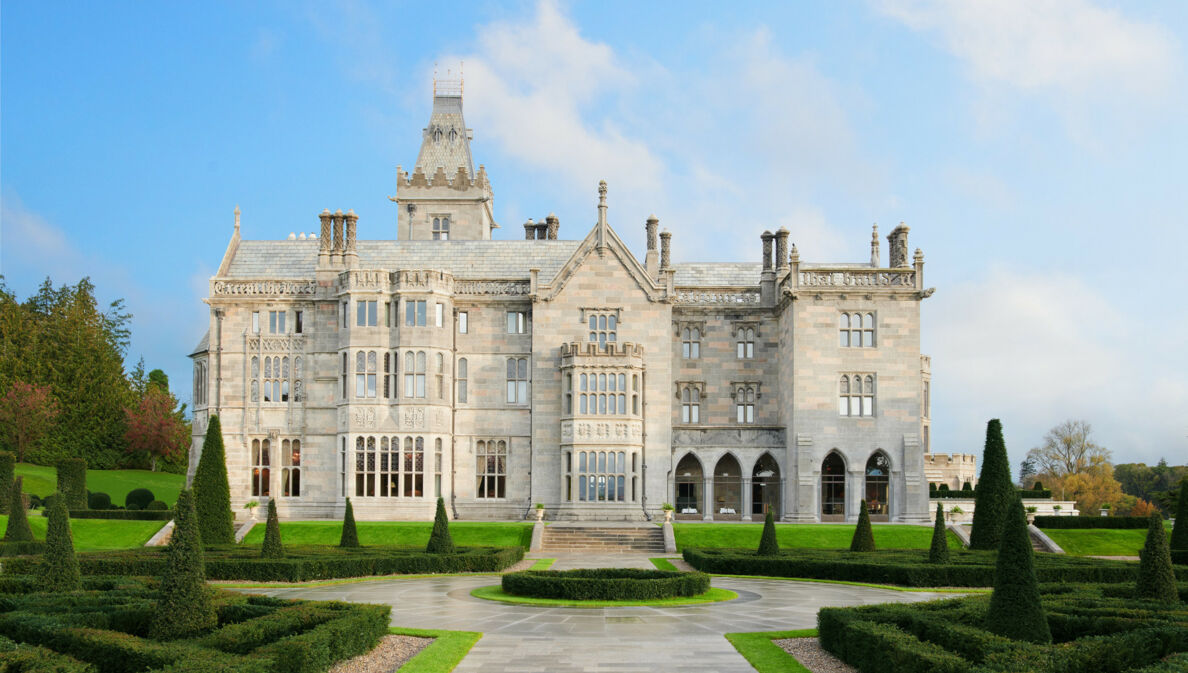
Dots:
pixel 602 476
pixel 491 468
pixel 390 467
pixel 261 467
pixel 878 470
pixel 291 468
pixel 833 486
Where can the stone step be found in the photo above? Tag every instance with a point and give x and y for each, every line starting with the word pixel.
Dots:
pixel 585 539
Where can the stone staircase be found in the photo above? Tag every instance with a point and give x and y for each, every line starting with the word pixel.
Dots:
pixel 559 537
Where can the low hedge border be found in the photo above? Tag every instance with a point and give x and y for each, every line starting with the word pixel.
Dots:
pixel 605 584
pixel 301 564
pixel 21 548
pixel 1080 522
pixel 120 514
pixel 1025 494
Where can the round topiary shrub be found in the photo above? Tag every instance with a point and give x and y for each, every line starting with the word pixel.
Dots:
pixel 606 584
pixel 98 500
pixel 141 497
pixel 157 506
pixel 133 507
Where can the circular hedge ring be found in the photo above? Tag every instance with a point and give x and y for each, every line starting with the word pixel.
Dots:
pixel 605 584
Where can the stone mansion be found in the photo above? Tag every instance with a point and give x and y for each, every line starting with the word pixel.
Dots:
pixel 504 373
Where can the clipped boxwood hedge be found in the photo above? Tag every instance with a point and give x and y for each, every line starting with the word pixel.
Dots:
pixel 1078 522
pixel 904 567
pixel 121 514
pixel 301 564
pixel 605 584
pixel 21 548
pixel 1026 494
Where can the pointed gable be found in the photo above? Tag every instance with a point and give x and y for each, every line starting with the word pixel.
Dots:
pixel 445 144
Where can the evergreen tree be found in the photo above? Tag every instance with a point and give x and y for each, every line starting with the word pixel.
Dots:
pixel 939 551
pixel 212 494
pixel 59 571
pixel 184 608
pixel 18 521
pixel 1015 610
pixel 272 537
pixel 72 482
pixel 1179 536
pixel 440 541
pixel 350 537
pixel 768 544
pixel 995 491
pixel 1156 579
pixel 863 539
pixel 7 470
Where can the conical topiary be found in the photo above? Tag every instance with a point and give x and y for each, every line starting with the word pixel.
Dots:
pixel 1179 536
pixel 768 545
pixel 440 541
pixel 7 469
pixel 995 491
pixel 212 494
pixel 1156 579
pixel 863 536
pixel 59 570
pixel 350 537
pixel 272 537
pixel 18 521
pixel 184 608
pixel 1015 609
pixel 939 551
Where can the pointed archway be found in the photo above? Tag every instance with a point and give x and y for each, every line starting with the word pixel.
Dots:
pixel 727 505
pixel 690 488
pixel 877 487
pixel 833 488
pixel 766 487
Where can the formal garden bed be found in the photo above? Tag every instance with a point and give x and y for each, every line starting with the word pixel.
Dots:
pixel 95 534
pixel 605 584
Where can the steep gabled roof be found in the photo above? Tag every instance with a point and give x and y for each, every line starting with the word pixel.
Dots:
pixel 446 141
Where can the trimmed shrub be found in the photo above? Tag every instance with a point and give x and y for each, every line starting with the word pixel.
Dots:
pixel 212 494
pixel 157 506
pixel 7 474
pixel 440 541
pixel 140 497
pixel 118 514
pixel 768 544
pixel 72 482
pixel 938 551
pixel 1179 536
pixel 59 572
pixel 185 607
pixel 1015 610
pixel 1156 580
pixel 18 520
pixel 314 651
pixel 1084 522
pixel 944 488
pixel 863 539
pixel 272 538
pixel 605 584
pixel 1039 486
pixel 350 536
pixel 98 501
pixel 995 491
pixel 967 487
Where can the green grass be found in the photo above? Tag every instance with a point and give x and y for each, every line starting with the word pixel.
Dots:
pixel 97 534
pixel 496 593
pixel 43 481
pixel 889 587
pixel 766 656
pixel 401 533
pixel 663 564
pixel 443 654
pixel 543 564
pixel 813 535
pixel 1099 541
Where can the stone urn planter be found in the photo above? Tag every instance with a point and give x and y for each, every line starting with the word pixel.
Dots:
pixel 668 510
pixel 540 512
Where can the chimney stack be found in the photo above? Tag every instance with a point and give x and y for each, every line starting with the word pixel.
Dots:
pixel 874 245
pixel 324 239
pixel 336 251
pixel 898 242
pixel 781 249
pixel 665 247
pixel 350 256
pixel 529 230
pixel 652 257
pixel 554 223
pixel 767 237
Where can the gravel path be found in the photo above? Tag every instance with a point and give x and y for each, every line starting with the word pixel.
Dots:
pixel 391 653
pixel 811 655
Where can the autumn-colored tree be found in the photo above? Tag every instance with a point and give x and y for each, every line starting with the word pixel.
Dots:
pixel 1068 448
pixel 1143 508
pixel 1090 489
pixel 155 429
pixel 27 414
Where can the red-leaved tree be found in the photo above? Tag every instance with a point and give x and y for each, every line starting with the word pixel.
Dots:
pixel 154 428
pixel 27 414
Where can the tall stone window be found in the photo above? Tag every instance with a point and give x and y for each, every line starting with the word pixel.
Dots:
pixel 856 395
pixel 413 470
pixel 603 328
pixel 690 404
pixel 255 322
pixel 414 374
pixel 344 378
pixel 437 467
pixel 461 379
pixel 291 468
pixel 878 471
pixel 365 373
pixel 491 468
pixel 366 314
pixel 200 383
pixel 744 404
pixel 439 364
pixel 463 322
pixel 857 330
pixel 298 378
pixel 261 468
pixel 365 466
pixel 691 343
pixel 517 380
pixel 602 476
pixel 414 313
pixel 602 394
pixel 441 228
pixel 273 377
pixel 745 346
pixel 568 388
pixel 387 375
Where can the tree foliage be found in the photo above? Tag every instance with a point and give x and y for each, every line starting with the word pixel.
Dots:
pixel 27 414
pixel 272 536
pixel 350 536
pixel 1068 448
pixel 184 608
pixel 7 474
pixel 59 572
pixel 212 493
pixel 1091 489
pixel 938 552
pixel 440 541
pixel 17 529
pixel 1015 610
pixel 768 544
pixel 1154 483
pixel 155 429
pixel 1156 579
pixel 995 491
pixel 1179 536
pixel 863 539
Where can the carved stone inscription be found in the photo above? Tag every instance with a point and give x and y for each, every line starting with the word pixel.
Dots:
pixel 491 287
pixel 701 297
pixel 613 432
pixel 728 437
pixel 221 288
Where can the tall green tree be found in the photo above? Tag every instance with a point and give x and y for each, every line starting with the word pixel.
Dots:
pixel 350 536
pixel 272 535
pixel 863 539
pixel 17 529
pixel 212 493
pixel 1179 536
pixel 1015 609
pixel 995 491
pixel 1156 579
pixel 938 551
pixel 768 544
pixel 154 429
pixel 440 541
pixel 59 571
pixel 184 608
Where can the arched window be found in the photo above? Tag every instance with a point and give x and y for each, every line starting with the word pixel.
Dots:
pixel 261 467
pixel 856 395
pixel 602 476
pixel 857 330
pixel 437 467
pixel 878 479
pixel 744 402
pixel 291 468
pixel 491 468
pixel 690 482
pixel 690 404
pixel 745 347
pixel 691 343
pixel 441 228
pixel 298 377
pixel 833 487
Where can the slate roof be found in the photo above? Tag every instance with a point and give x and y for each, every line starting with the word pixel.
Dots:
pixel 203 345
pixel 717 274
pixel 453 148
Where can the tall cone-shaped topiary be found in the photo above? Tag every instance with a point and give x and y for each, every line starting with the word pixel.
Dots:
pixel 272 538
pixel 1179 536
pixel 72 482
pixel 212 494
pixel 184 608
pixel 1156 579
pixel 350 537
pixel 995 491
pixel 1015 609
pixel 939 551
pixel 440 541
pixel 768 545
pixel 59 570
pixel 863 536
pixel 18 520
pixel 7 469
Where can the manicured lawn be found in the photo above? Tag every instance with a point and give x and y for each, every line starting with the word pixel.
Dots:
pixel 443 654
pixel 496 593
pixel 1099 542
pixel 766 656
pixel 97 534
pixel 663 564
pixel 812 535
pixel 43 481
pixel 403 533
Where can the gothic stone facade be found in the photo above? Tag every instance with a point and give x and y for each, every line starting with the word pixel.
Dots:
pixel 503 373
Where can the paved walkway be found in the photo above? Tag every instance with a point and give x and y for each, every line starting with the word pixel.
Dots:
pixel 523 639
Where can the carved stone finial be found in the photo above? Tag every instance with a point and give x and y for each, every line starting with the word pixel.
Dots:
pixel 874 245
pixel 602 192
pixel 919 256
pixel 795 254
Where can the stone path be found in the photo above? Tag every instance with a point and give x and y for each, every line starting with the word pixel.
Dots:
pixel 525 639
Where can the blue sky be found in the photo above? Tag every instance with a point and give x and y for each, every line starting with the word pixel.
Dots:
pixel 1035 148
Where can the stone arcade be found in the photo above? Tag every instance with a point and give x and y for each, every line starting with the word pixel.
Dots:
pixel 502 373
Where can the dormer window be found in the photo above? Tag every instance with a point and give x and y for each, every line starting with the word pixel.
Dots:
pixel 436 135
pixel 441 228
pixel 453 135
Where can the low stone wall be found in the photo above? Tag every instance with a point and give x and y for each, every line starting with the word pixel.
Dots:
pixel 966 505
